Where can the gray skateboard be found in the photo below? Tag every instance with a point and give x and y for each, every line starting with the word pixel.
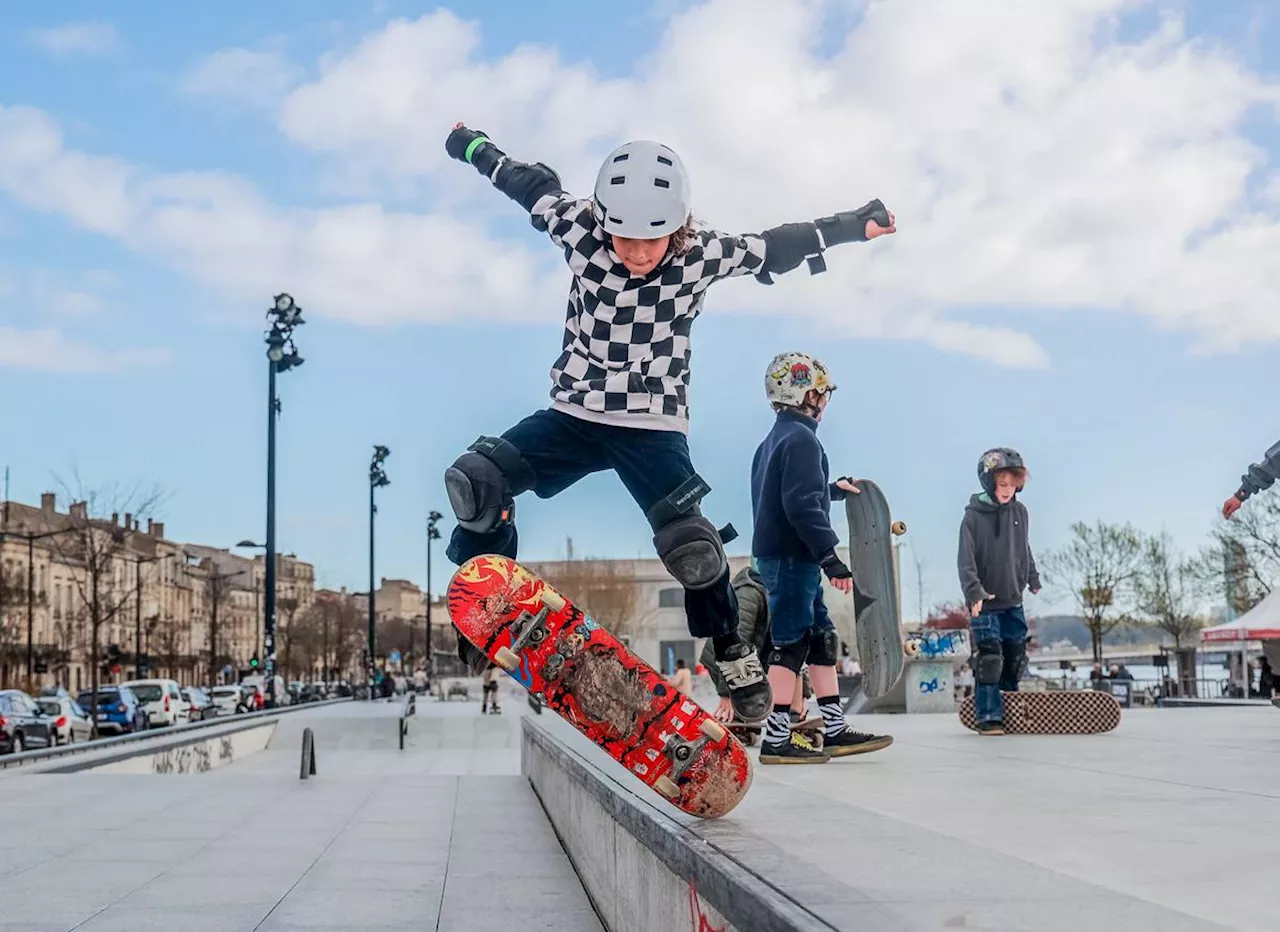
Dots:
pixel 878 621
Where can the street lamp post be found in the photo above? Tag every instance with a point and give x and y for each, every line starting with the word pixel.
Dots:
pixel 377 479
pixel 282 356
pixel 433 533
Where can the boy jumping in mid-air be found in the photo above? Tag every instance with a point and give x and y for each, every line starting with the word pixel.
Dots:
pixel 793 545
pixel 641 268
pixel 996 565
pixel 1261 476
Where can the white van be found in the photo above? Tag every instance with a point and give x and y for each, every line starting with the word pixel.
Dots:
pixel 163 701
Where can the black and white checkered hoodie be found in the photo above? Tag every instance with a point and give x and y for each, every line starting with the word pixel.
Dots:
pixel 625 356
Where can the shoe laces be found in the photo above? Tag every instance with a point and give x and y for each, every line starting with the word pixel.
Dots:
pixel 801 741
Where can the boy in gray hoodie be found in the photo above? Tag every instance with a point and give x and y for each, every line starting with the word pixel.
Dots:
pixel 1260 476
pixel 996 565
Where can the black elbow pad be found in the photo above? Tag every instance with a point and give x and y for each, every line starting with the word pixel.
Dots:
pixel 526 184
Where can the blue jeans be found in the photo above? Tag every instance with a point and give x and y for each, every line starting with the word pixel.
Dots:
pixel 561 449
pixel 796 608
pixel 1008 628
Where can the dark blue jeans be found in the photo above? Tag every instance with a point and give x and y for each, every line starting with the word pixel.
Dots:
pixel 561 449
pixel 796 607
pixel 1009 627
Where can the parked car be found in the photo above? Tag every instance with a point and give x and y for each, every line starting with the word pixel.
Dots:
pixel 231 700
pixel 119 711
pixel 23 726
pixel 163 701
pixel 70 722
pixel 201 704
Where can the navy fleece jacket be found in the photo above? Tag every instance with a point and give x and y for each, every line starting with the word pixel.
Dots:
pixel 791 493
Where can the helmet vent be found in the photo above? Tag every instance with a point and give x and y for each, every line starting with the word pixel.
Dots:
pixel 661 183
pixel 622 158
pixel 618 179
pixel 666 161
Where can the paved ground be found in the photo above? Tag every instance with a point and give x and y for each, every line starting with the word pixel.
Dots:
pixel 1170 822
pixel 380 839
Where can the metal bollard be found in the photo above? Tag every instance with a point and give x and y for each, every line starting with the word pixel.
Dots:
pixel 404 730
pixel 308 767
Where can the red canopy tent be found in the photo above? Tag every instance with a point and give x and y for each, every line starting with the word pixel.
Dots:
pixel 1260 623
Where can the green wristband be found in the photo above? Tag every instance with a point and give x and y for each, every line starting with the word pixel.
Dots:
pixel 471 149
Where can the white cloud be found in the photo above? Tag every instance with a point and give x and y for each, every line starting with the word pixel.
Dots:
pixel 89 38
pixel 49 351
pixel 1036 164
pixel 260 79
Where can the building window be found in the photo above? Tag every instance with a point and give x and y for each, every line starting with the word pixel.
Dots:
pixel 671 598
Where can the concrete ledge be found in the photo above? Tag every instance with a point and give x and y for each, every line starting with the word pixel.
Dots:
pixel 176 752
pixel 643 870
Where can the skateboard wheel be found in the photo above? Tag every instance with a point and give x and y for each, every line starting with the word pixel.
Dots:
pixel 552 599
pixel 911 648
pixel 667 787
pixel 898 527
pixel 712 729
pixel 506 659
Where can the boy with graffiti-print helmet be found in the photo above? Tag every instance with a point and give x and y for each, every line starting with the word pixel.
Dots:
pixel 794 544
pixel 996 565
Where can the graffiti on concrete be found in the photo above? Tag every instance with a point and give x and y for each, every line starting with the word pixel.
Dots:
pixel 929 686
pixel 934 644
pixel 189 758
pixel 701 922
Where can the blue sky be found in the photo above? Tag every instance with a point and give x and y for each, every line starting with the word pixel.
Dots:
pixel 1126 347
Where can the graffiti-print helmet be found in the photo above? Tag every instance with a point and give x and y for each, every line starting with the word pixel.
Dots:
pixel 993 461
pixel 791 375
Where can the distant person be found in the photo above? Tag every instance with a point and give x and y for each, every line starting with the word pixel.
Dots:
pixel 1261 476
pixel 683 679
pixel 996 565
pixel 1266 679
pixel 964 681
pixel 1096 676
pixel 489 691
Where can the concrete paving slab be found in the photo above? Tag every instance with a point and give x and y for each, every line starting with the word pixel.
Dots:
pixel 368 843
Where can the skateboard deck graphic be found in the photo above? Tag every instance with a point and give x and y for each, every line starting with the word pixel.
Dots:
pixel 1054 712
pixel 811 727
pixel 878 624
pixel 580 671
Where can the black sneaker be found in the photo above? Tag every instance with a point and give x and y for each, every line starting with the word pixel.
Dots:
pixel 799 750
pixel 748 688
pixel 475 659
pixel 990 728
pixel 847 742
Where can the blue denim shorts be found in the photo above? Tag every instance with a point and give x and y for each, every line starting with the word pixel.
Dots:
pixel 796 607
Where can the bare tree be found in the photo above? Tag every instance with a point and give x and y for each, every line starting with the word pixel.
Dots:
pixel 288 609
pixel 95 549
pixel 1167 589
pixel 1099 566
pixel 13 596
pixel 169 637
pixel 217 588
pixel 605 589
pixel 1243 562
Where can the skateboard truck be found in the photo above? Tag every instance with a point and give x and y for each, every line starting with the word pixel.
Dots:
pixel 529 629
pixel 682 752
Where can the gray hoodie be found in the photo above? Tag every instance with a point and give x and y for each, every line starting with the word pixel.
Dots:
pixel 1261 475
pixel 995 558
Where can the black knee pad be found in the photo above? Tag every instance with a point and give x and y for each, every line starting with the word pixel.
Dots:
pixel 692 552
pixel 483 482
pixel 792 656
pixel 988 663
pixel 1015 657
pixel 824 647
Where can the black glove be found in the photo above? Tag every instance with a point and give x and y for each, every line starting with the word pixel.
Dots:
pixel 850 226
pixel 834 567
pixel 473 146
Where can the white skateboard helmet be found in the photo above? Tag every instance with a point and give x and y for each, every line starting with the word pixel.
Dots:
pixel 792 375
pixel 642 191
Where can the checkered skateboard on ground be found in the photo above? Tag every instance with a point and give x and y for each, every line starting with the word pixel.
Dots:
pixel 1055 712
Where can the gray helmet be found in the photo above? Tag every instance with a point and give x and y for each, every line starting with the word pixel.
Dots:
pixel 642 191
pixel 994 460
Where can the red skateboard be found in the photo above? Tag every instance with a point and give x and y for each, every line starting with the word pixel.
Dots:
pixel 576 668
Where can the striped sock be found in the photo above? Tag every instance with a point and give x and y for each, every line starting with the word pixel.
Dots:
pixel 832 715
pixel 777 730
